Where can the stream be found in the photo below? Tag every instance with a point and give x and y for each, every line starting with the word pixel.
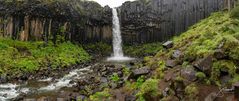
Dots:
pixel 51 87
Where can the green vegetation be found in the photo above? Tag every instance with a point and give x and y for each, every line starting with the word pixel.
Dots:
pixel 101 96
pixel 98 48
pixel 235 12
pixel 131 50
pixel 115 77
pixel 17 57
pixel 191 92
pixel 219 31
pixel 143 50
pixel 149 88
pixel 200 75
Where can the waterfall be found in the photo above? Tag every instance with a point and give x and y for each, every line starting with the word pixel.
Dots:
pixel 117 39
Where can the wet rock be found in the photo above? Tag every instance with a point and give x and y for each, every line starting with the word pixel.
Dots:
pixel 168 44
pixel 131 63
pixel 225 79
pixel 60 99
pixel 177 54
pixel 171 63
pixel 130 98
pixel 189 73
pixel 236 90
pixel 204 64
pixel 103 80
pixel 30 99
pixel 219 54
pixel 81 98
pixel 140 71
pixel 3 78
pixel 43 99
pixel 211 97
pixel 113 85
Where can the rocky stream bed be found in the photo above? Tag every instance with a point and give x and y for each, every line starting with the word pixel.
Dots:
pixel 78 83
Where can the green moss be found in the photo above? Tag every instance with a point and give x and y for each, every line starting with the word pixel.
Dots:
pixel 218 66
pixel 115 77
pixel 191 92
pixel 98 48
pixel 143 49
pixel 101 96
pixel 200 75
pixel 159 72
pixel 20 57
pixel 149 87
pixel 235 12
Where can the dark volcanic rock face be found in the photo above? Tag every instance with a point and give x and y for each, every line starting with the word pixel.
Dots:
pixel 56 20
pixel 86 21
pixel 158 20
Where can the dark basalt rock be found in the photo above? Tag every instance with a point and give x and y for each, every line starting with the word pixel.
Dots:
pixel 168 44
pixel 176 54
pixel 140 71
pixel 171 63
pixel 204 64
pixel 211 97
pixel 219 54
pixel 189 73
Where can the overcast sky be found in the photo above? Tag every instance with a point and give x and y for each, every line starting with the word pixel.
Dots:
pixel 111 3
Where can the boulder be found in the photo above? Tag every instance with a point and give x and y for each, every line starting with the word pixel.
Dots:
pixel 189 73
pixel 211 97
pixel 219 54
pixel 204 64
pixel 140 71
pixel 171 63
pixel 225 79
pixel 168 44
pixel 130 98
pixel 177 54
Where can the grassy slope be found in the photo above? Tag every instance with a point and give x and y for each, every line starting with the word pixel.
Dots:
pixel 219 31
pixel 17 57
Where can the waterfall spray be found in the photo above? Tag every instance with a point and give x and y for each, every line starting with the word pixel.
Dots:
pixel 118 54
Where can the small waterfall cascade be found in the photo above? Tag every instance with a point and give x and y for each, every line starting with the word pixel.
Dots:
pixel 118 54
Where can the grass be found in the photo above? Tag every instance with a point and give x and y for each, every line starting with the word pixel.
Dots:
pixel 17 57
pixel 140 50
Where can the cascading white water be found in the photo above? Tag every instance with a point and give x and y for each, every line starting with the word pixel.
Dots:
pixel 117 40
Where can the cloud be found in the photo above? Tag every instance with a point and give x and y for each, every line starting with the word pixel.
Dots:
pixel 111 3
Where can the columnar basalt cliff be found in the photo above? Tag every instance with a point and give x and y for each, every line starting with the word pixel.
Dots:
pixel 86 21
pixel 158 20
pixel 59 20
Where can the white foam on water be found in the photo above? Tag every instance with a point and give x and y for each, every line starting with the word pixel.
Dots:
pixel 119 59
pixel 9 91
pixel 45 80
pixel 65 81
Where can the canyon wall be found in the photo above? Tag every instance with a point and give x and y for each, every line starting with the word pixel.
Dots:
pixel 158 20
pixel 58 21
pixel 86 21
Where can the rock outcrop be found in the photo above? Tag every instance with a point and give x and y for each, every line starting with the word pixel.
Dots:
pixel 158 20
pixel 86 21
pixel 56 20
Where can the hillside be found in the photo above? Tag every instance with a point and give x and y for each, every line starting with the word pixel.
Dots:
pixel 201 65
